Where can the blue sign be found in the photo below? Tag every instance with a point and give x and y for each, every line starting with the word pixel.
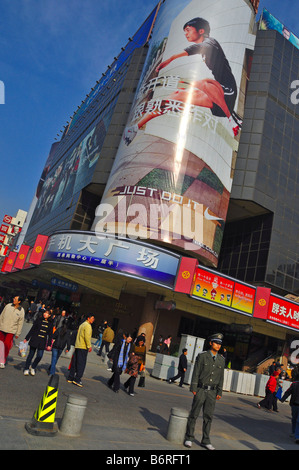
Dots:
pixel 129 257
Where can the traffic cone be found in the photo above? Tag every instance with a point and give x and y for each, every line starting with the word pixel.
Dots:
pixel 43 421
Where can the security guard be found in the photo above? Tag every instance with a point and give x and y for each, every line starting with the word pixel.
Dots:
pixel 206 386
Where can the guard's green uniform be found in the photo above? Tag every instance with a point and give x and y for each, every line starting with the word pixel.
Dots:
pixel 207 382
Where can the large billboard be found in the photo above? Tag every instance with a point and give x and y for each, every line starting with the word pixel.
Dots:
pixel 268 21
pixel 172 175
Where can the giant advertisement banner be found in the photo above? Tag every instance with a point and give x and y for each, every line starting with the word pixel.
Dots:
pixel 268 21
pixel 172 175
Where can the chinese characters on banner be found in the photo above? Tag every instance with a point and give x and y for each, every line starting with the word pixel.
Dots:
pixel 223 291
pixel 284 312
pixel 121 255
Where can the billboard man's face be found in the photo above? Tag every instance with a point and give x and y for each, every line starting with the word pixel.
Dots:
pixel 192 35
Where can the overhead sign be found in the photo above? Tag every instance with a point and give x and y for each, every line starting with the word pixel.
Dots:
pixel 284 312
pixel 129 257
pixel 223 291
pixel 212 287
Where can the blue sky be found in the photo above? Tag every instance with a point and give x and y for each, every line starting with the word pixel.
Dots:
pixel 51 54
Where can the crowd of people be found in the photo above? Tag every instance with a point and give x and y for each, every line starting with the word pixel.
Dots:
pixel 55 330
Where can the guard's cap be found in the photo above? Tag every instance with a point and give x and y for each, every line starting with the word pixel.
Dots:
pixel 216 338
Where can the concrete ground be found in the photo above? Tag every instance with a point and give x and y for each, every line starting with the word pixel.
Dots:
pixel 114 423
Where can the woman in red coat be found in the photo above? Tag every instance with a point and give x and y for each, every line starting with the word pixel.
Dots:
pixel 271 389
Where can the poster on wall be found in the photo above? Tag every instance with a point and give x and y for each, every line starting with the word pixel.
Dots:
pixel 172 175
pixel 210 286
pixel 268 21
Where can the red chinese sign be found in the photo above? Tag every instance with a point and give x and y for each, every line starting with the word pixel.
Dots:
pixel 284 312
pixel 7 219
pixel 243 298
pixel 4 228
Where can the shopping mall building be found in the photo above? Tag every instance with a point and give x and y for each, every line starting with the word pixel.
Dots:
pixel 171 202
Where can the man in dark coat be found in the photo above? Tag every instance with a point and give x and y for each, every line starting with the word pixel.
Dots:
pixel 182 367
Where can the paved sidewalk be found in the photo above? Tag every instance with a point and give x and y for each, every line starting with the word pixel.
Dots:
pixel 117 422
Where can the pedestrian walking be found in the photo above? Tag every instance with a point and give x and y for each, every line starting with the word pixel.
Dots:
pixel 101 330
pixel 182 368
pixel 82 348
pixel 31 311
pixel 11 324
pixel 107 339
pixel 61 340
pixel 120 358
pixel 271 388
pixel 132 370
pixel 293 392
pixel 38 337
pixel 59 318
pixel 140 351
pixel 206 386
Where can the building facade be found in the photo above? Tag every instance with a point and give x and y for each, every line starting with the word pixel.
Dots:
pixel 241 188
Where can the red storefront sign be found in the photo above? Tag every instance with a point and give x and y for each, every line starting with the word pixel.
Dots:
pixel 38 249
pixel 284 312
pixel 21 258
pixel 2 238
pixel 185 275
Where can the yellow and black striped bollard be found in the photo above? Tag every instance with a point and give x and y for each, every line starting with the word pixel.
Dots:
pixel 43 421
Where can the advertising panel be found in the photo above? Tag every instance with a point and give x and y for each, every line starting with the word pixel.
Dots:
pixel 172 175
pixel 284 312
pixel 74 172
pixel 223 291
pixel 213 287
pixel 268 21
pixel 243 298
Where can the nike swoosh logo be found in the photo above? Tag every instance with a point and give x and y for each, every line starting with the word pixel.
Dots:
pixel 210 217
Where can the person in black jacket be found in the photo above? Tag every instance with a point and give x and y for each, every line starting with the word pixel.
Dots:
pixel 294 403
pixel 182 367
pixel 39 336
pixel 122 349
pixel 62 340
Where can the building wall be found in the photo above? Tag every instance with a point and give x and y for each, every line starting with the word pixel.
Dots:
pixel 267 166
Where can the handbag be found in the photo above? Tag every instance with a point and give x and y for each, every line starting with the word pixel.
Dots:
pixel 22 349
pixel 141 382
pixel 279 393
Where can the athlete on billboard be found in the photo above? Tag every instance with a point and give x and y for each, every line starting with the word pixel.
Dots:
pixel 219 95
